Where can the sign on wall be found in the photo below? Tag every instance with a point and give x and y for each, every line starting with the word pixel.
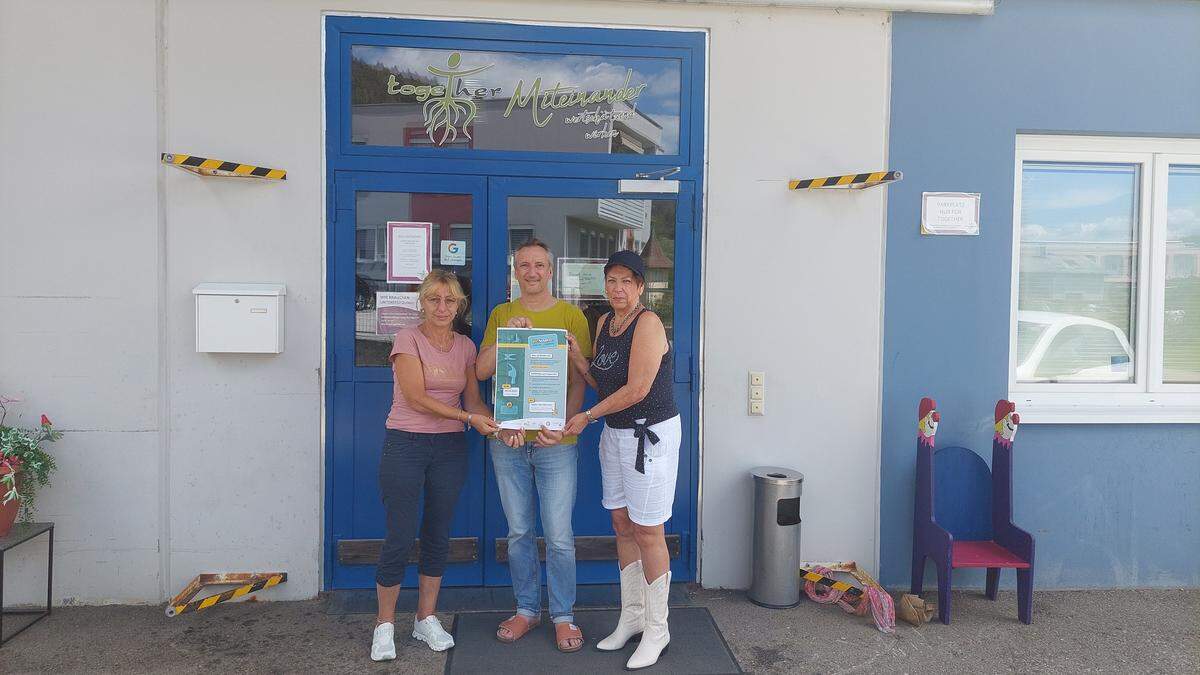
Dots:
pixel 409 252
pixel 950 213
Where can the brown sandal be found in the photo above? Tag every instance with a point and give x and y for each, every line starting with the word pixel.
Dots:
pixel 516 626
pixel 564 633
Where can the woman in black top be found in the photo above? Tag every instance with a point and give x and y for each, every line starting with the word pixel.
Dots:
pixel 639 451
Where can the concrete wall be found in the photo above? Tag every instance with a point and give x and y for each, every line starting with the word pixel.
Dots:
pixel 1111 505
pixel 216 461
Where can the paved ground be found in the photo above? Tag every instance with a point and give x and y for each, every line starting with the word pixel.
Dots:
pixel 1111 631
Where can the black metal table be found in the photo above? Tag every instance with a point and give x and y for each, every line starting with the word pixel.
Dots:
pixel 21 533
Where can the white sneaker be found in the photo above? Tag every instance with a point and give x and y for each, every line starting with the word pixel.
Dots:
pixel 429 630
pixel 383 643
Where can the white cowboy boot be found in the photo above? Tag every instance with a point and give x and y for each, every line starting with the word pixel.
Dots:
pixel 655 636
pixel 633 608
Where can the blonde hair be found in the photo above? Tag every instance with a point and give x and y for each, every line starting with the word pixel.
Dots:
pixel 447 278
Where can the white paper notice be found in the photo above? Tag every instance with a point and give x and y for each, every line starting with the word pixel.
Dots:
pixel 949 213
pixel 410 252
pixel 394 311
pixel 454 252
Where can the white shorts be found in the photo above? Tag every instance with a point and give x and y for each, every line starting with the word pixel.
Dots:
pixel 648 496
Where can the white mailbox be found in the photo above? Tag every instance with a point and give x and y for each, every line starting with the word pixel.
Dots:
pixel 239 318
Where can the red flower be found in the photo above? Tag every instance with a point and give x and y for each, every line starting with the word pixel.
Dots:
pixel 45 421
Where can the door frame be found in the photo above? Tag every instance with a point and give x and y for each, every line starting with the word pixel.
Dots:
pixel 689 46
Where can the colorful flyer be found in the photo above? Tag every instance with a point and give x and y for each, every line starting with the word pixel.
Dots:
pixel 394 311
pixel 530 385
pixel 409 252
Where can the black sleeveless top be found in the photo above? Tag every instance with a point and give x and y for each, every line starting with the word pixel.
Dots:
pixel 610 368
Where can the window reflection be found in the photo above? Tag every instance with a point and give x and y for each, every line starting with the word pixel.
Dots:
pixel 1181 321
pixel 583 232
pixel 472 100
pixel 1078 272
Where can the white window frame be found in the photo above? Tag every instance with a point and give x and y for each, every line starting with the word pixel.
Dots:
pixel 1148 399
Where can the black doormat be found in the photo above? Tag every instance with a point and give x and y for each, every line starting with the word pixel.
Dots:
pixel 486 599
pixel 697 646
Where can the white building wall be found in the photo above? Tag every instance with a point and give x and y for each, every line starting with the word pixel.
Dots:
pixel 242 484
pixel 79 332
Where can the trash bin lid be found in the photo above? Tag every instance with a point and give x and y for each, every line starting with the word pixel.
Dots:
pixel 777 475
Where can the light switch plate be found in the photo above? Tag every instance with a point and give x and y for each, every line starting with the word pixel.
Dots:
pixel 756 408
pixel 756 393
pixel 757 378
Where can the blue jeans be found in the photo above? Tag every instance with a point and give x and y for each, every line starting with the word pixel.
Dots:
pixel 549 472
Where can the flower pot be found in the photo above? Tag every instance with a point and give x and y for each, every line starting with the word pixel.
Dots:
pixel 8 512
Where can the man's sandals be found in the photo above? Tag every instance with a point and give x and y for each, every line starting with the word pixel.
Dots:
pixel 567 635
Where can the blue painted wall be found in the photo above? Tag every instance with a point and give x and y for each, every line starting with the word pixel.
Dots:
pixel 1109 505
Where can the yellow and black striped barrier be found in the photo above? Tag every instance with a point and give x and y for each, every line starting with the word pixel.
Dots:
pixel 853 181
pixel 183 602
pixel 217 167
pixel 822 580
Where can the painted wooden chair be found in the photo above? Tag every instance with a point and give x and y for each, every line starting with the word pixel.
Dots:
pixel 963 512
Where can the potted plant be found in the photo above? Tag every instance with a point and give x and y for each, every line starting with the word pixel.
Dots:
pixel 24 466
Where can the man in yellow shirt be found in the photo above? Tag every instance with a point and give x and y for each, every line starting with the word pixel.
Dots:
pixel 541 463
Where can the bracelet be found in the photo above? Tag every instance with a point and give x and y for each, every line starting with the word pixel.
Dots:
pixel 468 419
pixel 588 414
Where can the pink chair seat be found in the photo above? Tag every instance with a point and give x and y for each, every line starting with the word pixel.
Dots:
pixel 984 554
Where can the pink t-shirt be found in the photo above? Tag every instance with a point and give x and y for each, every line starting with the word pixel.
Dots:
pixel 445 380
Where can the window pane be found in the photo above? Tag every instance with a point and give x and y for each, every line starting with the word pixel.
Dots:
pixel 451 218
pixel 1078 272
pixel 470 100
pixel 1181 324
pixel 573 228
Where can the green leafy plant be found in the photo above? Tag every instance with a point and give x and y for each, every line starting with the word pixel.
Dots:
pixel 22 456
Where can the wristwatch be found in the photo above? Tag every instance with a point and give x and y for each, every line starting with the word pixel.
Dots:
pixel 588 413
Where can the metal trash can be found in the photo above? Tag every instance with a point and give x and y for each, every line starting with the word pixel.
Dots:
pixel 776 552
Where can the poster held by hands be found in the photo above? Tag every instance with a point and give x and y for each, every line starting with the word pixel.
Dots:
pixel 530 385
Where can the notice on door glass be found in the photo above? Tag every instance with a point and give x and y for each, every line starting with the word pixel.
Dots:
pixel 581 278
pixel 949 213
pixel 454 252
pixel 409 252
pixel 394 311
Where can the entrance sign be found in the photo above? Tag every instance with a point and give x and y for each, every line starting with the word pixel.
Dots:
pixel 409 252
pixel 531 378
pixel 581 278
pixel 394 311
pixel 949 213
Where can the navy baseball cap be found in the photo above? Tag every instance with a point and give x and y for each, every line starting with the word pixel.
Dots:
pixel 627 259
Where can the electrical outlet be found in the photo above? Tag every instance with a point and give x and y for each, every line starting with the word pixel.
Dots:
pixel 756 393
pixel 756 408
pixel 757 378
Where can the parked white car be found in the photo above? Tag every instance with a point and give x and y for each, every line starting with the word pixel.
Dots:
pixel 1056 347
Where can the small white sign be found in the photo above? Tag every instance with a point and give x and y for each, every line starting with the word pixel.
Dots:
pixel 949 213
pixel 454 252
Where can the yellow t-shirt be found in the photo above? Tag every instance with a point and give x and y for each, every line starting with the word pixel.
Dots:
pixel 561 314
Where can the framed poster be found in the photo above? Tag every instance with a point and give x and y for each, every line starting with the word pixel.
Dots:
pixel 409 252
pixel 530 385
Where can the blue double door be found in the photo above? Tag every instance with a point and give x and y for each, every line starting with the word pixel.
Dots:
pixel 475 224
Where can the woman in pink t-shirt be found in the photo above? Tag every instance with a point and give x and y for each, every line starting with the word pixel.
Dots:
pixel 425 447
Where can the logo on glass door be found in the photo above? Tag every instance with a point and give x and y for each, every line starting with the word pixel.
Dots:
pixel 444 105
